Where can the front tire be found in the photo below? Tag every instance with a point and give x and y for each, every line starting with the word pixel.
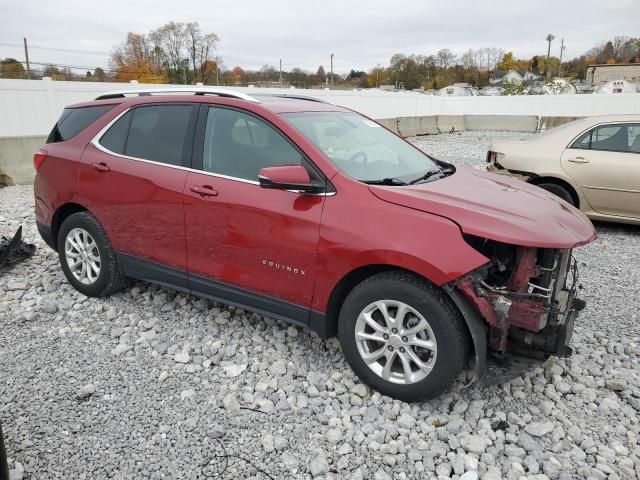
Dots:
pixel 403 336
pixel 87 258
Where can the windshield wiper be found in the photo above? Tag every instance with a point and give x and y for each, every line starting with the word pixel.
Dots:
pixel 432 173
pixel 385 181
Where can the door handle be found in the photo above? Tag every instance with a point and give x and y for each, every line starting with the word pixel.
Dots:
pixel 204 190
pixel 578 160
pixel 100 167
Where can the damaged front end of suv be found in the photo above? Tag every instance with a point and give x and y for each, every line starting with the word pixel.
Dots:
pixel 527 297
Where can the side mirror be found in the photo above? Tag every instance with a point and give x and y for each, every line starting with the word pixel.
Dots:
pixel 288 177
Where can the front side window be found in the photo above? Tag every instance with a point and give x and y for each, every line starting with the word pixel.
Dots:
pixel 238 145
pixel 159 133
pixel 361 148
pixel 74 120
pixel 612 138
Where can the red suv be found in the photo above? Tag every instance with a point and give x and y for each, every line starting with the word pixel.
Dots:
pixel 314 214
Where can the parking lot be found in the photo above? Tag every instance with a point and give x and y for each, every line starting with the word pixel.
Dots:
pixel 151 383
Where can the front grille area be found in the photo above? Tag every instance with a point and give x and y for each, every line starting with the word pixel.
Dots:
pixel 526 295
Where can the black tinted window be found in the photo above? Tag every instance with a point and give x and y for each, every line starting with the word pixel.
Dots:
pixel 239 145
pixel 159 133
pixel 115 137
pixel 74 120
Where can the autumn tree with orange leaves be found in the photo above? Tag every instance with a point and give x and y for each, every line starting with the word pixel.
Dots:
pixel 175 52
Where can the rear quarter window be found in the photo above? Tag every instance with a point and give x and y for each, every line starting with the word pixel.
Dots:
pixel 74 120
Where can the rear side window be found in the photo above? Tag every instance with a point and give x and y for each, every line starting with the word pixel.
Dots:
pixel 116 136
pixel 74 120
pixel 583 141
pixel 159 133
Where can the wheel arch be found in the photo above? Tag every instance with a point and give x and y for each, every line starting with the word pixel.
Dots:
pixel 473 321
pixel 561 183
pixel 352 279
pixel 60 215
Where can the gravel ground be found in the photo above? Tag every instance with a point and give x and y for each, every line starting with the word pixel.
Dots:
pixel 150 383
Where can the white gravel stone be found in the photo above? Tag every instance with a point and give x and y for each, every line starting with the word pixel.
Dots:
pixel 182 357
pixel 333 436
pixel 406 421
pixel 539 429
pixel 234 370
pixel 360 390
pixel 474 443
pixel 318 464
pixel 86 391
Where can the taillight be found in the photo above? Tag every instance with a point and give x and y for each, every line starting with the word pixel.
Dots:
pixel 38 159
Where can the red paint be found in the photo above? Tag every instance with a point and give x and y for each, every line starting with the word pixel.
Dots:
pixel 290 174
pixel 525 270
pixel 289 245
pixel 139 204
pixel 497 207
pixel 230 236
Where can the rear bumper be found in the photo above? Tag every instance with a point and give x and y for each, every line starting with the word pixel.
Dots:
pixel 45 233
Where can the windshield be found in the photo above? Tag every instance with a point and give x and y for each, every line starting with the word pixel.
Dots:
pixel 361 148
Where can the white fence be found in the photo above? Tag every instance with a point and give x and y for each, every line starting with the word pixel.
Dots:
pixel 31 107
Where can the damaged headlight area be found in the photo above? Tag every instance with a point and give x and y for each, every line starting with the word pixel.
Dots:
pixel 526 295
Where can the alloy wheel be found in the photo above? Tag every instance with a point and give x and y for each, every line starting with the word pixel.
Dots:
pixel 396 342
pixel 82 255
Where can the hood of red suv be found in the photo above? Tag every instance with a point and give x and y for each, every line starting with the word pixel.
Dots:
pixel 500 208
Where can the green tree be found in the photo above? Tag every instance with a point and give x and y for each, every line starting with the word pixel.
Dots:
pixel 513 87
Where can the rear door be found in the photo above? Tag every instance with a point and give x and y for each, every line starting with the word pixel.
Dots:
pixel 254 246
pixel 133 177
pixel 605 163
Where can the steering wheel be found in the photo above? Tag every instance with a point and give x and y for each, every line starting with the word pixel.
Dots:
pixel 353 159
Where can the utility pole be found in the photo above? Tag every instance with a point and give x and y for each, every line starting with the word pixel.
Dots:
pixel 280 72
pixel 550 38
pixel 26 56
pixel 332 69
pixel 562 49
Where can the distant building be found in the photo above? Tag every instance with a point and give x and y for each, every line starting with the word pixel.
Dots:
pixel 499 77
pixel 604 73
pixel 616 86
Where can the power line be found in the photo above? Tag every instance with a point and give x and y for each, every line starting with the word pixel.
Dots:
pixel 51 49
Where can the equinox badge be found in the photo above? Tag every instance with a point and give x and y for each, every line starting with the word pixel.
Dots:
pixel 281 266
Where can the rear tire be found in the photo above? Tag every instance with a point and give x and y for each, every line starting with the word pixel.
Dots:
pixel 86 256
pixel 559 191
pixel 413 352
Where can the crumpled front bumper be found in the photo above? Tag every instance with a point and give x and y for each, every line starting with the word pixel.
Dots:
pixel 520 343
pixel 500 170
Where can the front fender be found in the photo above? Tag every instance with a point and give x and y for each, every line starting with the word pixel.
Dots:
pixel 425 244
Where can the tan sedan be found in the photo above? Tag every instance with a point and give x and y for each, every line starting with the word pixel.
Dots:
pixel 592 163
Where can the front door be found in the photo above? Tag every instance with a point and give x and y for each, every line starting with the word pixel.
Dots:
pixel 605 163
pixel 252 246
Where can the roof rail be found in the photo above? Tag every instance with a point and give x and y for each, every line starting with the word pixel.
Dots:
pixel 300 97
pixel 221 92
